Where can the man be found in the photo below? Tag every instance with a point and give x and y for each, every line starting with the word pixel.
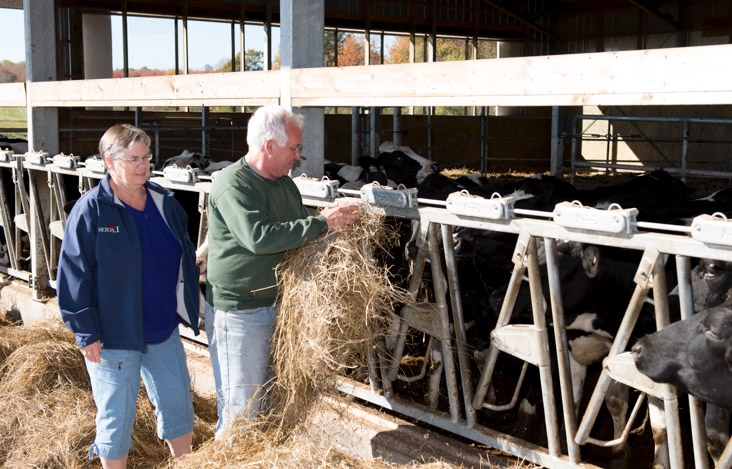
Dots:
pixel 255 216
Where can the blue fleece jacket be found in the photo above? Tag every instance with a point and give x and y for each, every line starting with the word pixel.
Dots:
pixel 99 282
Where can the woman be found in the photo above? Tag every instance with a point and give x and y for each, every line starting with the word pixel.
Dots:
pixel 126 278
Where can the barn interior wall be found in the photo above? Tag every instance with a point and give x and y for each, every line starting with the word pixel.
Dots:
pixel 515 142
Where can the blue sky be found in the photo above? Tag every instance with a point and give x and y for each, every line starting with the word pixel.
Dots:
pixel 151 41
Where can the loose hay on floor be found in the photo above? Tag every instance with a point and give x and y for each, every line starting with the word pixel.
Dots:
pixel 47 411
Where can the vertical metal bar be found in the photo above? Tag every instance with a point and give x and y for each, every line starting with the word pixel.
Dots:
pixel 696 408
pixel 175 45
pixel 397 126
pixel 373 134
pixel 555 158
pixel 443 322
pixel 538 308
pixel 560 339
pixel 458 321
pixel 684 150
pixel 204 130
pixel 355 134
pixel 573 156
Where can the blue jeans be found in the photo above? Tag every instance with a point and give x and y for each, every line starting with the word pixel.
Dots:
pixel 116 382
pixel 243 345
pixel 209 313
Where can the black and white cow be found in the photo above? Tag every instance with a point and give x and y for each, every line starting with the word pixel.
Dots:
pixel 694 355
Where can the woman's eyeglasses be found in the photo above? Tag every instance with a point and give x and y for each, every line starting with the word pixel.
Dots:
pixel 137 159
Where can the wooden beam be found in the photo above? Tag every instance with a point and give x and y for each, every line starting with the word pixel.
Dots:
pixel 12 94
pixel 687 75
pixel 207 89
pixel 675 76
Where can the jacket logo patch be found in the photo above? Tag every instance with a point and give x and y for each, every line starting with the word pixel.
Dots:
pixel 108 229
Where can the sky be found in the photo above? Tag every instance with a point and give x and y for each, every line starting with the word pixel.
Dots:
pixel 151 41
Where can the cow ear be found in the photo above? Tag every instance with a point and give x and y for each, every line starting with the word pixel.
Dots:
pixel 591 260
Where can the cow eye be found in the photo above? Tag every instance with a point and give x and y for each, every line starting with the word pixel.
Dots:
pixel 710 271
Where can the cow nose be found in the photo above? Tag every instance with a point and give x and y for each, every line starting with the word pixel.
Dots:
pixel 637 350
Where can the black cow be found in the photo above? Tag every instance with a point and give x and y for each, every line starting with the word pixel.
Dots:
pixel 694 355
pixel 16 145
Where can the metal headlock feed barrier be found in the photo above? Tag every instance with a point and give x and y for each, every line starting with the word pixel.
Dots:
pixel 442 319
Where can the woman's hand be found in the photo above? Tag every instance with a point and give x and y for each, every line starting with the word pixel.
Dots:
pixel 92 352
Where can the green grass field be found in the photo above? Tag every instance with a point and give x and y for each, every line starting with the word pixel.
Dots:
pixel 13 118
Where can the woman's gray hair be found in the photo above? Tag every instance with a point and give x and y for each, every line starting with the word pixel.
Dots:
pixel 119 138
pixel 270 122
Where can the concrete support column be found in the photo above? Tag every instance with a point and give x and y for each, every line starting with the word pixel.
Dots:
pixel 302 26
pixel 40 58
pixel 509 49
pixel 97 34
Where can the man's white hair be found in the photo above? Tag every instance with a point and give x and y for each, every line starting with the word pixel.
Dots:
pixel 269 122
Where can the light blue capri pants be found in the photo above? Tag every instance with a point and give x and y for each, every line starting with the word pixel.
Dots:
pixel 115 386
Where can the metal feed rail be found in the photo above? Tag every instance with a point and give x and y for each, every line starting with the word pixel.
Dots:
pixel 443 322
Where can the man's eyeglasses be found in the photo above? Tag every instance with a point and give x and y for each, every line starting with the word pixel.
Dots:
pixel 296 149
pixel 137 160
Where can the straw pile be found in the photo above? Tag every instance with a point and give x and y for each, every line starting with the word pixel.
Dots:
pixel 336 302
pixel 46 407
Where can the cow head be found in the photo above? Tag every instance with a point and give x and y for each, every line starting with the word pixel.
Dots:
pixel 694 355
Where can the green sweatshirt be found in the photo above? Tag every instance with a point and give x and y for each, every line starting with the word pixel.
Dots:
pixel 252 221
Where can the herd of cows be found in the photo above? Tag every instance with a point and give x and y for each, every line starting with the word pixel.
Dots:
pixel 596 282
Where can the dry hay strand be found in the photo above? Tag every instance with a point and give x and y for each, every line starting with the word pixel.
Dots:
pixel 15 335
pixel 42 367
pixel 48 429
pixel 335 303
pixel 47 414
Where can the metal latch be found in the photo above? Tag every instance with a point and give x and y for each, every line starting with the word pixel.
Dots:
pixel 36 157
pixel 186 175
pixel 613 220
pixel 95 165
pixel 314 188
pixel 495 208
pixel 401 197
pixel 66 161
pixel 712 229
pixel 5 155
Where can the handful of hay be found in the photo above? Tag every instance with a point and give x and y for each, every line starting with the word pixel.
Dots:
pixel 336 300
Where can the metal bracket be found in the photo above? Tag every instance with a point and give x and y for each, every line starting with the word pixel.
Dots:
pixel 321 189
pixel 712 229
pixel 617 220
pixel 95 165
pixel 6 155
pixel 66 161
pixel 495 208
pixel 401 197
pixel 36 158
pixel 185 175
